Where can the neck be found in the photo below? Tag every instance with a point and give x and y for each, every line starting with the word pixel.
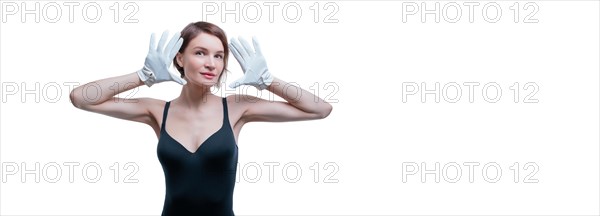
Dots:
pixel 193 96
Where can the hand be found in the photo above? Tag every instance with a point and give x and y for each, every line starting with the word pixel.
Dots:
pixel 158 61
pixel 253 64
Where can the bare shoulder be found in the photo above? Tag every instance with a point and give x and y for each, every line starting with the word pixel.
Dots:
pixel 235 107
pixel 241 99
pixel 238 106
pixel 254 109
pixel 154 106
pixel 241 102
pixel 242 106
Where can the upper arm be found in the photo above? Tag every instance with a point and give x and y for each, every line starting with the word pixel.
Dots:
pixel 258 109
pixel 137 109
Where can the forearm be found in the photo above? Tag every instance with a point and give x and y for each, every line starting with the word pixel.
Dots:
pixel 299 98
pixel 99 91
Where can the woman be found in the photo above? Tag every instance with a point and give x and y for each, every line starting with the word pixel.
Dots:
pixel 197 131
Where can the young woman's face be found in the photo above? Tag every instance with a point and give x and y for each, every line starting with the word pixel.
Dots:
pixel 202 60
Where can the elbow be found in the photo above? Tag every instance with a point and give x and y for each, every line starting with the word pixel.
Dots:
pixel 72 98
pixel 325 111
pixel 75 100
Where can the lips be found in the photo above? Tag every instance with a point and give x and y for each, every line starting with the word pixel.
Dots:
pixel 208 75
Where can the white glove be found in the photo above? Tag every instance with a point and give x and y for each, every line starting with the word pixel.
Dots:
pixel 158 61
pixel 253 64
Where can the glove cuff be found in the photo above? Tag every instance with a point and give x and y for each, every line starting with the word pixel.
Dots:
pixel 265 81
pixel 146 76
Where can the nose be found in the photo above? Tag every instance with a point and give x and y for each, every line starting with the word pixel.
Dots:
pixel 209 64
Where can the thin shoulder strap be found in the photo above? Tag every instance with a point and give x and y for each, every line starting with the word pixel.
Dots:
pixel 164 119
pixel 225 111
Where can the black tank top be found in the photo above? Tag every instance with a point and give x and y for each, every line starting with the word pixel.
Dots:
pixel 199 183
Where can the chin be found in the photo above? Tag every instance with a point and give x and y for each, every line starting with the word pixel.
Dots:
pixel 202 82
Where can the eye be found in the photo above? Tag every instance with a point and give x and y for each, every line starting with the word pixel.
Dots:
pixel 219 56
pixel 200 53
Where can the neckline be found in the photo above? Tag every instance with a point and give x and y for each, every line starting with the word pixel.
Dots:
pixel 201 144
pixel 164 128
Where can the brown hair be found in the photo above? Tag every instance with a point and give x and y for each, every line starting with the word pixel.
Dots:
pixel 194 29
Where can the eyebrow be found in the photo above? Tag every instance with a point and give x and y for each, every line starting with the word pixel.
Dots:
pixel 202 48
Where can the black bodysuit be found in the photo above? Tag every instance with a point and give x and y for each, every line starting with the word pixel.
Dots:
pixel 199 183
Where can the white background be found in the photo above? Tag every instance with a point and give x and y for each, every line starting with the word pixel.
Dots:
pixel 366 56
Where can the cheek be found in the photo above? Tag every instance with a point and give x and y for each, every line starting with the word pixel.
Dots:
pixel 192 62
